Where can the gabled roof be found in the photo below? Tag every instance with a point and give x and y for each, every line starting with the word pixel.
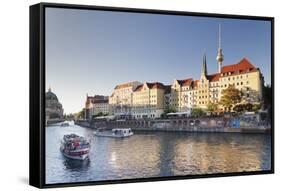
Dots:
pixel 185 82
pixel 153 85
pixel 138 88
pixel 195 83
pixel 214 77
pixel 243 66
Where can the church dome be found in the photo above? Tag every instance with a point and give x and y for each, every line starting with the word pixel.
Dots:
pixel 51 96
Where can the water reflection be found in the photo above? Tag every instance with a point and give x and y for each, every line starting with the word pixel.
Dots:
pixel 154 154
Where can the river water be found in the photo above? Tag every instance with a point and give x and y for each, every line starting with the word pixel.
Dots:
pixel 155 154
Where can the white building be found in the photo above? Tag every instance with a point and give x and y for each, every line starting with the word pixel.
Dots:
pixel 121 99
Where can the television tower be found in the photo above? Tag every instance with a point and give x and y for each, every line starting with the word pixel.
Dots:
pixel 220 55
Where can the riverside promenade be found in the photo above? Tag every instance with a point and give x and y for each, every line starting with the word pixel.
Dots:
pixel 202 124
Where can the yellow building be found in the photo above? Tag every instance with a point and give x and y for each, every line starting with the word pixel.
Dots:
pixel 148 100
pixel 181 93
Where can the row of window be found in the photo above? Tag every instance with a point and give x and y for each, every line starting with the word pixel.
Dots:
pixel 237 77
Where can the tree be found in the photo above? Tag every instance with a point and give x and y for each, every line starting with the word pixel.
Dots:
pixel 238 108
pixel 245 107
pixel 248 107
pixel 256 107
pixel 197 112
pixel 81 114
pixel 98 115
pixel 230 97
pixel 170 109
pixel 211 107
pixel 167 110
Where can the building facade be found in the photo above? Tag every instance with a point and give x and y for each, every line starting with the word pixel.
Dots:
pixel 148 100
pixel 120 100
pixel 95 105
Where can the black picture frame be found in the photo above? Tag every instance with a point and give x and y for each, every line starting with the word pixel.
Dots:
pixel 37 93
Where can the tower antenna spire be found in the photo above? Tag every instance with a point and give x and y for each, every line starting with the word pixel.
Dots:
pixel 204 64
pixel 219 36
pixel 220 55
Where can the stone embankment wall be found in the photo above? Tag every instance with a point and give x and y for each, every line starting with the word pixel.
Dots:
pixel 206 124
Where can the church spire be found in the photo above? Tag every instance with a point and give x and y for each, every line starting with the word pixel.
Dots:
pixel 49 90
pixel 204 65
pixel 220 55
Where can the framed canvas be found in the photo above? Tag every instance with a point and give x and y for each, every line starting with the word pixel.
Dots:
pixel 123 95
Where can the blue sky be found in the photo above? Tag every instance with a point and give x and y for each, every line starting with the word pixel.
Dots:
pixel 92 51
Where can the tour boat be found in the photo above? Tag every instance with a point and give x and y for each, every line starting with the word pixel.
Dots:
pixel 75 147
pixel 118 133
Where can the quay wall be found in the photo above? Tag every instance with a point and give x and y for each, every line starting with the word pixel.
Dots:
pixel 207 124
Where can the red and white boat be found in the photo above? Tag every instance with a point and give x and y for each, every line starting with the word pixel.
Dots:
pixel 75 147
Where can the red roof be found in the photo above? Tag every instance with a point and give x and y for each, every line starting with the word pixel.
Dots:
pixel 96 99
pixel 185 82
pixel 213 77
pixel 138 88
pixel 195 83
pixel 153 85
pixel 243 66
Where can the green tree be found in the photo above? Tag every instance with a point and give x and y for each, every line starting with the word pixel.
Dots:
pixel 256 107
pixel 197 112
pixel 244 107
pixel 230 97
pixel 81 114
pixel 98 115
pixel 167 110
pixel 238 108
pixel 170 109
pixel 211 107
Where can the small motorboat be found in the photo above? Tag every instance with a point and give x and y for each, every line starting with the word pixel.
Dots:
pixel 75 147
pixel 118 133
